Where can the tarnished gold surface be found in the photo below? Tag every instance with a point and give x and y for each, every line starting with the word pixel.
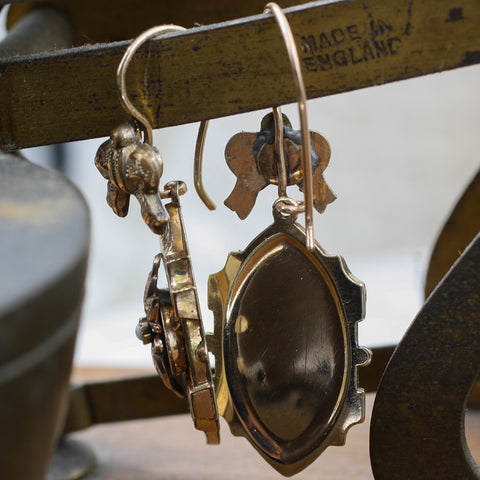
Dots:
pixel 132 167
pixel 173 323
pixel 285 346
pixel 252 158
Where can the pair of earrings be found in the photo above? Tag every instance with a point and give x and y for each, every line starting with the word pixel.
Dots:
pixel 285 312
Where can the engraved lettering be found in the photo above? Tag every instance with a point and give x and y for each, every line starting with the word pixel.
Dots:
pixel 379 27
pixel 391 47
pixel 324 42
pixel 380 48
pixel 338 36
pixel 356 43
pixel 352 57
pixel 367 52
pixel 324 62
pixel 340 58
pixel 310 64
pixel 353 32
pixel 309 45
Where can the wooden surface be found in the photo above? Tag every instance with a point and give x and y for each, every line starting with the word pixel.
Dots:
pixel 233 67
pixel 171 449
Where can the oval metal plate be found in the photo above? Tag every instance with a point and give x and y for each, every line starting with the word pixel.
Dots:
pixel 286 348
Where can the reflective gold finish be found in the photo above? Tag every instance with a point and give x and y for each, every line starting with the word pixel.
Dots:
pixel 245 171
pixel 306 157
pixel 173 324
pixel 285 346
pixel 198 166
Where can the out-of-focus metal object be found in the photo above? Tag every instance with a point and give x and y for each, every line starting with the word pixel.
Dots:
pixel 417 429
pixel 459 230
pixel 173 324
pixel 285 346
pixel 42 29
pixel 119 400
pixel 72 460
pixel 44 238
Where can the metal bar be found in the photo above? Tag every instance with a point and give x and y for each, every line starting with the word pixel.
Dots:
pixel 147 397
pixel 120 400
pixel 234 67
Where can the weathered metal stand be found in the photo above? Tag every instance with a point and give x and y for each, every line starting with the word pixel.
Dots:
pixel 222 69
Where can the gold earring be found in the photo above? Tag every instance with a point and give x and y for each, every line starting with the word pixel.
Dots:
pixel 286 313
pixel 173 323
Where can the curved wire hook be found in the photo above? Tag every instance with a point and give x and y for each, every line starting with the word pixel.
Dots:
pixel 198 163
pixel 305 135
pixel 122 70
pixel 287 35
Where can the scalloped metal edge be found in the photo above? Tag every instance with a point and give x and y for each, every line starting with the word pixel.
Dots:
pixel 352 408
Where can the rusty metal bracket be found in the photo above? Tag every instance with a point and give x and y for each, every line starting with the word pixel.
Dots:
pixel 233 67
pixel 417 429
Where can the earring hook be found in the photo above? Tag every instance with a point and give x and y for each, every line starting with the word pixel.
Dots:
pixel 198 166
pixel 287 35
pixel 122 70
pixel 305 136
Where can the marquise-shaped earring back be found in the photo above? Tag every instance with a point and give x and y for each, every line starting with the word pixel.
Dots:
pixel 286 314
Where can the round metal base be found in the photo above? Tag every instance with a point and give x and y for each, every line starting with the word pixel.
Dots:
pixel 72 460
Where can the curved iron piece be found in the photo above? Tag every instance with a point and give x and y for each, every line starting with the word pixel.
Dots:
pixel 417 429
pixel 459 230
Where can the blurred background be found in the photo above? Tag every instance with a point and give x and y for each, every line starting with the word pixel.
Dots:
pixel 402 155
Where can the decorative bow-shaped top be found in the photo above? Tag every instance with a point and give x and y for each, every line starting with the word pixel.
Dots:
pixel 252 158
pixel 132 167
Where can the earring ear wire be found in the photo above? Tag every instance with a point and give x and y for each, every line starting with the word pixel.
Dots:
pixel 307 205
pixel 198 166
pixel 292 51
pixel 122 71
